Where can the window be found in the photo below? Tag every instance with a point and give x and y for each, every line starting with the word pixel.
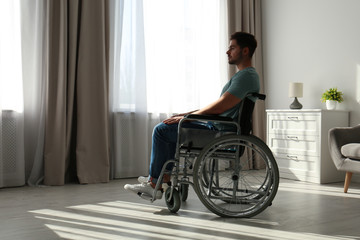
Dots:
pixel 181 45
pixel 11 97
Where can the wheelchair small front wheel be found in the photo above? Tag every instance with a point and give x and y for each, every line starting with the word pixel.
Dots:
pixel 184 191
pixel 173 203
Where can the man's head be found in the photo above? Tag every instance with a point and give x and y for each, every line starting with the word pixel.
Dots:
pixel 242 47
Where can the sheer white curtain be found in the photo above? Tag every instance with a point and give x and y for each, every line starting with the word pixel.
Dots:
pixel 22 72
pixel 128 89
pixel 168 57
pixel 35 73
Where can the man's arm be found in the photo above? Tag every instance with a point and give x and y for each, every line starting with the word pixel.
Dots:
pixel 225 102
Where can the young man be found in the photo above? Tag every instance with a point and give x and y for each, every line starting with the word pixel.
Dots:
pixel 246 80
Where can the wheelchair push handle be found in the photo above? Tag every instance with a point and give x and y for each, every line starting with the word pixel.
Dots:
pixel 258 95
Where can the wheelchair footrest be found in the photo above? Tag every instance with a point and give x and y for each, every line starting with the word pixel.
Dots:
pixel 145 196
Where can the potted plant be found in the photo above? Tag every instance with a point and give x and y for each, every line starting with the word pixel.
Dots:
pixel 332 97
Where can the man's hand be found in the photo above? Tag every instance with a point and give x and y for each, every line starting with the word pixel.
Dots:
pixel 173 119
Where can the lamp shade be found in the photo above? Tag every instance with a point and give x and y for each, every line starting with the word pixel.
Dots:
pixel 295 89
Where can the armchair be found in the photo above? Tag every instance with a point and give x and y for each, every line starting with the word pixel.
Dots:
pixel 344 146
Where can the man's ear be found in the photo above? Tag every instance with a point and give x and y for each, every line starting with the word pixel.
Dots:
pixel 245 51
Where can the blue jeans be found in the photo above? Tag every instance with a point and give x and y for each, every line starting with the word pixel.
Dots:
pixel 164 140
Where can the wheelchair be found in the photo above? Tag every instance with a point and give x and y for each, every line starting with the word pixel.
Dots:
pixel 233 173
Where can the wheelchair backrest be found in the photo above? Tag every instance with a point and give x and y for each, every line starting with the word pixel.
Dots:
pixel 245 112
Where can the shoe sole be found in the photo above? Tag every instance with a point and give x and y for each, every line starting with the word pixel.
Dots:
pixel 158 195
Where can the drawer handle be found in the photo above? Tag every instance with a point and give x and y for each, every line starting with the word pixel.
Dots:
pixel 293 137
pixel 293 157
pixel 293 118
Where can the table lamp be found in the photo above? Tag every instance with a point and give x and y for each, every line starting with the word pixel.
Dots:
pixel 295 90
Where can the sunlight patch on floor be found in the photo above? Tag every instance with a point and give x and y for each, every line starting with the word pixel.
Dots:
pixel 197 214
pixel 109 220
pixel 311 188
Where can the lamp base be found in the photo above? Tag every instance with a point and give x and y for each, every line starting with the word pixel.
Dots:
pixel 295 104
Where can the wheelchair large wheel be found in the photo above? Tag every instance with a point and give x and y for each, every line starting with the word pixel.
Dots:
pixel 236 176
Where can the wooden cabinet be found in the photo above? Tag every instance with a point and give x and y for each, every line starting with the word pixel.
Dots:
pixel 299 142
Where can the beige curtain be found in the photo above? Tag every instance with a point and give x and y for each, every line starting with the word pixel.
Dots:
pixel 245 15
pixel 76 128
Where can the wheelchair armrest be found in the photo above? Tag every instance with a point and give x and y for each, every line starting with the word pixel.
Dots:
pixel 208 117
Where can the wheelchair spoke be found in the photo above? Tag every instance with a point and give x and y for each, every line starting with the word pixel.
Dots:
pixel 212 172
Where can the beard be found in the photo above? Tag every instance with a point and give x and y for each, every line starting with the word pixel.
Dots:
pixel 235 61
pixel 232 62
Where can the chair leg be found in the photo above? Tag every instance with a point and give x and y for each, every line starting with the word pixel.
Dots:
pixel 347 181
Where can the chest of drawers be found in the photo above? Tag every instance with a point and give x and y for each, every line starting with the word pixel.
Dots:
pixel 299 142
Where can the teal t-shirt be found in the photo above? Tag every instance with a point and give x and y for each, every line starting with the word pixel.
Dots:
pixel 242 83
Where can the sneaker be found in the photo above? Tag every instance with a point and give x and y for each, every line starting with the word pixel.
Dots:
pixel 143 188
pixel 143 179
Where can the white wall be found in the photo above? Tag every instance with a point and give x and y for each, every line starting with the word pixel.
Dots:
pixel 316 42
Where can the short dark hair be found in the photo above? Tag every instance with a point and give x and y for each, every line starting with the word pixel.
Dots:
pixel 244 39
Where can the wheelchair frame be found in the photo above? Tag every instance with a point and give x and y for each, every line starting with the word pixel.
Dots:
pixel 223 179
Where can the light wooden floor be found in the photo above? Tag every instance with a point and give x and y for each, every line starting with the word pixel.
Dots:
pixel 106 211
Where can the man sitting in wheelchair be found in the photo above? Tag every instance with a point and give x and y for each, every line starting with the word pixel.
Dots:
pixel 165 134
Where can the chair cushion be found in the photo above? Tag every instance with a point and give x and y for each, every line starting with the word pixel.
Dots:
pixel 351 150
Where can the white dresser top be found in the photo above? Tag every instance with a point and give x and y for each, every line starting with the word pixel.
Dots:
pixel 303 110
